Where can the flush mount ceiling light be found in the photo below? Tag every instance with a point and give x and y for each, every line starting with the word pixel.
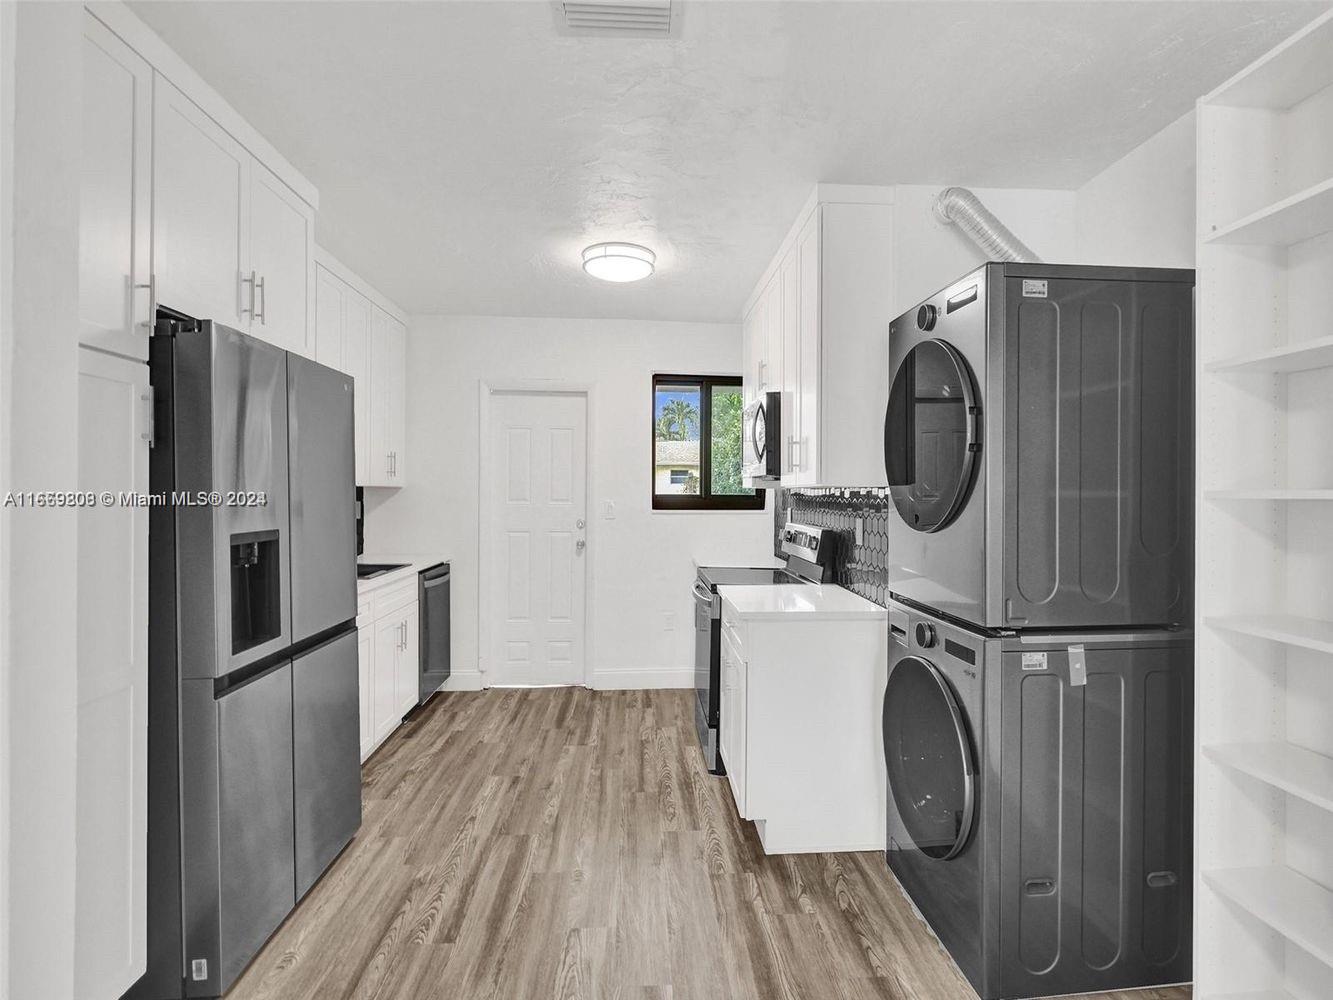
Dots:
pixel 618 261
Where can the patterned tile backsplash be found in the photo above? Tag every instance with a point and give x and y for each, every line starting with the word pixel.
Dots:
pixel 861 519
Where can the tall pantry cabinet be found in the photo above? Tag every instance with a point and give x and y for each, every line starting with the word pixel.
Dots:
pixel 1264 670
pixel 182 204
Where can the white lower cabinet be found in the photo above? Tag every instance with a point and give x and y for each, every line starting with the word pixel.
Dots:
pixel 801 729
pixel 387 644
pixel 111 847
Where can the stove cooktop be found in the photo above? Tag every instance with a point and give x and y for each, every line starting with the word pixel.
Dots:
pixel 727 576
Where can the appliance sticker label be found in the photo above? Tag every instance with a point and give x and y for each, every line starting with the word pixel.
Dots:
pixel 1078 666
pixel 1034 661
pixel 1034 288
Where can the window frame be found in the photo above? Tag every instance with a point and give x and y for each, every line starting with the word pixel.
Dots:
pixel 704 500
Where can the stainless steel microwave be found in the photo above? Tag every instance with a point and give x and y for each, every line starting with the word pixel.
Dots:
pixel 761 434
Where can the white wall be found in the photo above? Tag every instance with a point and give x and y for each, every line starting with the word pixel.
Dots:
pixel 1140 210
pixel 929 254
pixel 39 366
pixel 642 562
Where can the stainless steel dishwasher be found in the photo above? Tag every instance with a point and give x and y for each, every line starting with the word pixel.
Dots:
pixel 433 595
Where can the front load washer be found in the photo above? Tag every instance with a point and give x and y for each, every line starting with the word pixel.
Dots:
pixel 1038 447
pixel 1039 807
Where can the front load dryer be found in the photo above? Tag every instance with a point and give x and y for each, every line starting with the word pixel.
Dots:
pixel 1039 806
pixel 1038 447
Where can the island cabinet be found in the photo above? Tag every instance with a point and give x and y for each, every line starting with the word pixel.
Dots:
pixel 816 330
pixel 800 726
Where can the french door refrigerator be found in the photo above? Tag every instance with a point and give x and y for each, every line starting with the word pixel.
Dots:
pixel 254 758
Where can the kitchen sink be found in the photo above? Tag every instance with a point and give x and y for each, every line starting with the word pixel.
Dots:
pixel 365 571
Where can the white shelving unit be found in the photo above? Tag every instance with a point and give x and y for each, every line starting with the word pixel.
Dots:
pixel 1264 671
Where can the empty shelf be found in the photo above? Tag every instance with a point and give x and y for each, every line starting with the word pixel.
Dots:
pixel 1299 909
pixel 1269 494
pixel 1308 633
pixel 1292 358
pixel 1291 220
pixel 1295 70
pixel 1295 770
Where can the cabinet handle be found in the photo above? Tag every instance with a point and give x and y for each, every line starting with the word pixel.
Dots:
pixel 251 282
pixel 795 449
pixel 763 366
pixel 262 292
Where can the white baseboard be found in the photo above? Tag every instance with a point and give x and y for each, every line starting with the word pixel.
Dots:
pixel 641 678
pixel 463 680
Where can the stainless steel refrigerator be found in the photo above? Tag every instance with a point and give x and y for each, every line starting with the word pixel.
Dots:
pixel 254 757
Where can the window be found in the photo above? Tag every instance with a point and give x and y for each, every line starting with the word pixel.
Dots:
pixel 697 444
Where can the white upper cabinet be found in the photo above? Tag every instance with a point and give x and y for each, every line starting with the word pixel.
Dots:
pixel 231 242
pixel 388 378
pixel 356 363
pixel 282 242
pixel 201 213
pixel 115 207
pixel 330 306
pixel 817 330
pixel 360 332
pixel 115 419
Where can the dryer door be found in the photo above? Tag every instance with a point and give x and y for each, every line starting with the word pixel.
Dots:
pixel 932 434
pixel 931 764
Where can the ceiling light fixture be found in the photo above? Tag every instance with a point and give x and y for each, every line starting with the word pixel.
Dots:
pixel 618 261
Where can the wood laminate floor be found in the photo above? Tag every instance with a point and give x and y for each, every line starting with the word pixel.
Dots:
pixel 566 844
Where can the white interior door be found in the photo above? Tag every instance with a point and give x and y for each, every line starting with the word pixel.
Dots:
pixel 110 924
pixel 537 523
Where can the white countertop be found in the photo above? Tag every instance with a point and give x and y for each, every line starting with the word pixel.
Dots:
pixel 824 601
pixel 415 563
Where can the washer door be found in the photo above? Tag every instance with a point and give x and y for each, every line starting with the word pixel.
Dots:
pixel 931 765
pixel 932 434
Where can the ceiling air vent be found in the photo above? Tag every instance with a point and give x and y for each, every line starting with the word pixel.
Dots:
pixel 596 17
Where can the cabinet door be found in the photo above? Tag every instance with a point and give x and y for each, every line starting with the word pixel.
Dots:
pixel 356 363
pixel 330 319
pixel 773 356
pixel 282 243
pixel 750 353
pixel 733 721
pixel 398 401
pixel 381 388
pixel 388 651
pixel 112 675
pixel 201 212
pixel 365 660
pixel 115 217
pixel 806 432
pixel 409 662
pixel 789 275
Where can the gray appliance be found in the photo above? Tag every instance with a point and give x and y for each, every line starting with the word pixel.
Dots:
pixel 810 554
pixel 1038 447
pixel 433 601
pixel 253 732
pixel 1040 810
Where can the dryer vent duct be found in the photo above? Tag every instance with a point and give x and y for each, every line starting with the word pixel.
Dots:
pixel 965 210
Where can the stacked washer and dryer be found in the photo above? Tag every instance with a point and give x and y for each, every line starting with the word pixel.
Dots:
pixel 1038 714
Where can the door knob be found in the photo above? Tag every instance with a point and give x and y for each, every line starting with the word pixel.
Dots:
pixel 580 545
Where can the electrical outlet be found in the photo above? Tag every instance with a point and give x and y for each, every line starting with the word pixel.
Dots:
pixel 668 621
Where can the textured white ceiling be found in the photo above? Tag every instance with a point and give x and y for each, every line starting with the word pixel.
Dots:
pixel 466 152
